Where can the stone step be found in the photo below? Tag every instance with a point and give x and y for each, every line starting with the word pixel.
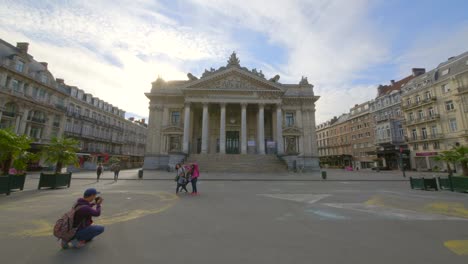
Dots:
pixel 238 163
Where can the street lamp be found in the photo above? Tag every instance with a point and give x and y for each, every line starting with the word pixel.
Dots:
pixel 400 149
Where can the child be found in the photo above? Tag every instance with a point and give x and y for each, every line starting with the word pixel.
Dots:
pixel 181 178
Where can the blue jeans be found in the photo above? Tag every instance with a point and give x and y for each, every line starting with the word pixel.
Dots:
pixel 88 233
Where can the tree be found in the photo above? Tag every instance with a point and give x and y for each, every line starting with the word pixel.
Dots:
pixel 61 152
pixel 460 154
pixel 13 147
pixel 456 155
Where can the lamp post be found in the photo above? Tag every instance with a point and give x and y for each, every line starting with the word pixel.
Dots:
pixel 401 160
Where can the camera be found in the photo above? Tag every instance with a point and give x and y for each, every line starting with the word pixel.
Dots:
pixel 97 199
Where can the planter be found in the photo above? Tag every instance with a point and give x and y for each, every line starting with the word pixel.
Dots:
pixel 5 185
pixel 17 181
pixel 54 180
pixel 417 183
pixel 324 175
pixel 460 184
pixel 444 183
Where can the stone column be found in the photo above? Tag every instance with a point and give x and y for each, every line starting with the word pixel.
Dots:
pixel 222 129
pixel 185 144
pixel 313 133
pixel 63 120
pixel 244 128
pixel 279 130
pixel 3 79
pixel 204 146
pixel 299 124
pixel 48 128
pixel 261 129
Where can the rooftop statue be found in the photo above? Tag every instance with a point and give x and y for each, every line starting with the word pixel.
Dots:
pixel 233 60
pixel 304 81
pixel 275 79
pixel 191 77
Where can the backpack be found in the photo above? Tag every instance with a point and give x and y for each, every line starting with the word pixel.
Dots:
pixel 63 228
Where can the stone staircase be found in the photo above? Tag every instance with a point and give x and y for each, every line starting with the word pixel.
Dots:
pixel 237 163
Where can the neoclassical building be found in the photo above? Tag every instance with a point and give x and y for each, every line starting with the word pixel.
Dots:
pixel 231 110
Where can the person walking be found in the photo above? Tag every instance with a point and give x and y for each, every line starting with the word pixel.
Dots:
pixel 116 169
pixel 83 221
pixel 99 170
pixel 181 178
pixel 194 178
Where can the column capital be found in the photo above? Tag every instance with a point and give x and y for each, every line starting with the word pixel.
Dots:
pixel 279 105
pixel 187 104
pixel 262 105
pixel 244 104
pixel 222 104
pixel 205 104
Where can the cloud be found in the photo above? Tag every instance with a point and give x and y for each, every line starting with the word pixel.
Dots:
pixel 116 49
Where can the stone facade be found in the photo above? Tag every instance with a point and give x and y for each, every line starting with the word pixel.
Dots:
pixel 385 109
pixel 334 142
pixel 435 106
pixel 231 110
pixel 362 136
pixel 34 103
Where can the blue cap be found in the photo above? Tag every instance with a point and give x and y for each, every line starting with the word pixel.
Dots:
pixel 90 192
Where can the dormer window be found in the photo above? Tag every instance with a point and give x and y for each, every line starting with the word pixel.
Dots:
pixel 44 78
pixel 19 66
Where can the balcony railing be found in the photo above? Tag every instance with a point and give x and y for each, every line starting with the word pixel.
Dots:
pixel 422 119
pixel 420 103
pixel 38 120
pixel 462 90
pixel 61 107
pixel 9 114
pixel 430 137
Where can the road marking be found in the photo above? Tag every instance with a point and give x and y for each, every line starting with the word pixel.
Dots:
pixel 451 209
pixel 44 228
pixel 328 215
pixel 459 247
pixel 302 198
pixel 392 213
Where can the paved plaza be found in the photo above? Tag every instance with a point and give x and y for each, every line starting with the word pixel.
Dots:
pixel 354 217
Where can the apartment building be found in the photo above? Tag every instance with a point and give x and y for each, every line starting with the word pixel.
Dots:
pixel 435 106
pixel 34 103
pixel 362 136
pixel 334 142
pixel 386 112
pixel 31 102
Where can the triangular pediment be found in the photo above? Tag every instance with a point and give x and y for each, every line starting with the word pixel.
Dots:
pixel 232 79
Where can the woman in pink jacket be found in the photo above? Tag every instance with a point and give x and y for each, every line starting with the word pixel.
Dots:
pixel 194 178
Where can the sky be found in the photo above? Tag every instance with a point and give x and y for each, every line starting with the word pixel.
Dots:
pixel 114 49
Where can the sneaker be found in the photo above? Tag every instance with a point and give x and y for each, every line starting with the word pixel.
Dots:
pixel 64 244
pixel 78 243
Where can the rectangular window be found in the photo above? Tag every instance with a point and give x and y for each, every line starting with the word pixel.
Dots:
pixel 408 102
pixel 175 117
pixel 428 95
pixel 449 106
pixel 436 145
pixel 453 124
pixel 415 147
pixel 19 66
pixel 418 99
pixel 425 146
pixel 421 114
pixel 445 88
pixel 434 131
pixel 414 134
pixel 289 117
pixel 431 112
pixel 411 116
pixel 15 85
pixel 424 133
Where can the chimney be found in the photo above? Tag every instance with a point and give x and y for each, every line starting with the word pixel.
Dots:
pixel 131 119
pixel 22 46
pixel 60 81
pixel 418 71
pixel 143 120
pixel 392 82
pixel 44 64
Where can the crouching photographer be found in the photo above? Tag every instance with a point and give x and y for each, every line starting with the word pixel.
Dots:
pixel 85 209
